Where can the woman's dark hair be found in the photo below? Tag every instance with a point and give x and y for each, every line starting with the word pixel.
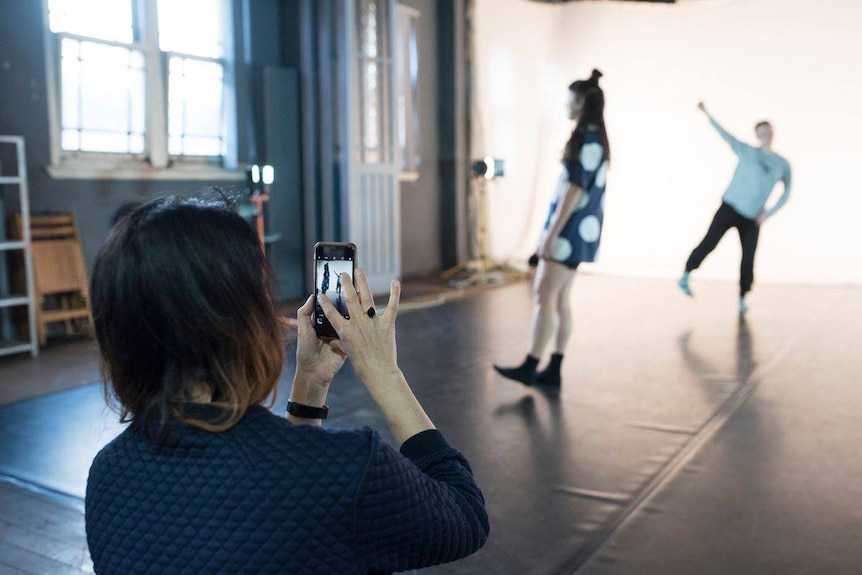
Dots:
pixel 123 211
pixel 182 304
pixel 592 117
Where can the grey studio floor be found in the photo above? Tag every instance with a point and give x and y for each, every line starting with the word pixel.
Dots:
pixel 684 440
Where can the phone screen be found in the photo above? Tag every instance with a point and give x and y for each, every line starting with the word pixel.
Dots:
pixel 331 259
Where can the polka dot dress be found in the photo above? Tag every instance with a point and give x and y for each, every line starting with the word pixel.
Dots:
pixel 580 236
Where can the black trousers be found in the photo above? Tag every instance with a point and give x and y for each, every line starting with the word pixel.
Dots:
pixel 725 218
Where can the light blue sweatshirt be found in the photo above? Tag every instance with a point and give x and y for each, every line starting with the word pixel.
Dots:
pixel 756 175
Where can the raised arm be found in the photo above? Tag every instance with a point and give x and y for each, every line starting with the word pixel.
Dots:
pixel 735 144
pixel 421 507
pixel 369 342
pixel 317 362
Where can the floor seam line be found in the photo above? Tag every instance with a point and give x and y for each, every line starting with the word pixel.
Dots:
pixel 685 454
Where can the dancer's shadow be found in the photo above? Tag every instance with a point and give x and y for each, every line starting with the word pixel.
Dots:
pixel 547 431
pixel 745 363
pixel 547 492
pixel 746 446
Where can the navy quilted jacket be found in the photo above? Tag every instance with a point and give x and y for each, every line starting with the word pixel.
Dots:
pixel 267 496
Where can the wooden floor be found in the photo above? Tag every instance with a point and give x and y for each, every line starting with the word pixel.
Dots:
pixel 41 533
pixel 685 439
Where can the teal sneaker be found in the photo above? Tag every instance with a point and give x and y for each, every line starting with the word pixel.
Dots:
pixel 683 285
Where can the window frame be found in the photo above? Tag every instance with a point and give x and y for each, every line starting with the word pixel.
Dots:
pixel 155 163
pixel 380 83
pixel 408 158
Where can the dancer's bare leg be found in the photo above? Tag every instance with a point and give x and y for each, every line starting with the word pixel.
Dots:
pixel 551 374
pixel 550 279
pixel 564 315
pixel 550 318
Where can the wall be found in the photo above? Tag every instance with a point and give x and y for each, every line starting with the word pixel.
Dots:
pixel 515 110
pixel 793 62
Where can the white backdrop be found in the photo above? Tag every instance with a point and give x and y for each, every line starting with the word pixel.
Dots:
pixel 796 63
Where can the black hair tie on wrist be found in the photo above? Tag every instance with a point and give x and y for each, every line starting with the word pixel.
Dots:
pixel 371 312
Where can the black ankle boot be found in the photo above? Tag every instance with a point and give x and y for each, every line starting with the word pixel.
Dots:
pixel 551 374
pixel 525 373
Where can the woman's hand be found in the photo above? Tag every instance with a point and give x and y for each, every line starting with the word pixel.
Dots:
pixel 317 361
pixel 544 250
pixel 369 341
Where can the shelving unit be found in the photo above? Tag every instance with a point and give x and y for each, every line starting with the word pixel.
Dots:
pixel 13 147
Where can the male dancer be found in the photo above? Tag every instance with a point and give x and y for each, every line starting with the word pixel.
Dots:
pixel 743 204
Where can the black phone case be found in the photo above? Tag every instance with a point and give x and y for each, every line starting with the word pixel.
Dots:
pixel 322 327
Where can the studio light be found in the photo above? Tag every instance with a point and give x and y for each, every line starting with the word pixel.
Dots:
pixel 489 168
pixel 268 174
pixel 259 178
pixel 479 269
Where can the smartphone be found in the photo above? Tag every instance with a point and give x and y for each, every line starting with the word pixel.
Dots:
pixel 331 259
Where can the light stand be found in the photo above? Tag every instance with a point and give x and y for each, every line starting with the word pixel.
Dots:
pixel 259 180
pixel 480 270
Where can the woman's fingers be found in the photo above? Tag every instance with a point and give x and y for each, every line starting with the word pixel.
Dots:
pixel 394 300
pixel 351 297
pixel 366 299
pixel 333 315
pixel 369 342
pixel 306 309
pixel 358 298
pixel 303 316
pixel 357 304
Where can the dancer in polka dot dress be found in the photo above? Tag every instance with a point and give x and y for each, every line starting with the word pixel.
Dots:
pixel 571 234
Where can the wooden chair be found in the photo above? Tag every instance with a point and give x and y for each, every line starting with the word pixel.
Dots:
pixel 60 274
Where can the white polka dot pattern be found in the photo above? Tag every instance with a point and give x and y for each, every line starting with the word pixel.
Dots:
pixel 561 249
pixel 602 175
pixel 590 229
pixel 585 199
pixel 591 155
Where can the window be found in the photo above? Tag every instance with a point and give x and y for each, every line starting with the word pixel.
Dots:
pixel 374 81
pixel 407 92
pixel 140 87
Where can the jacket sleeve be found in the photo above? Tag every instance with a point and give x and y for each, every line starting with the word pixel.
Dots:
pixel 735 144
pixel 419 507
